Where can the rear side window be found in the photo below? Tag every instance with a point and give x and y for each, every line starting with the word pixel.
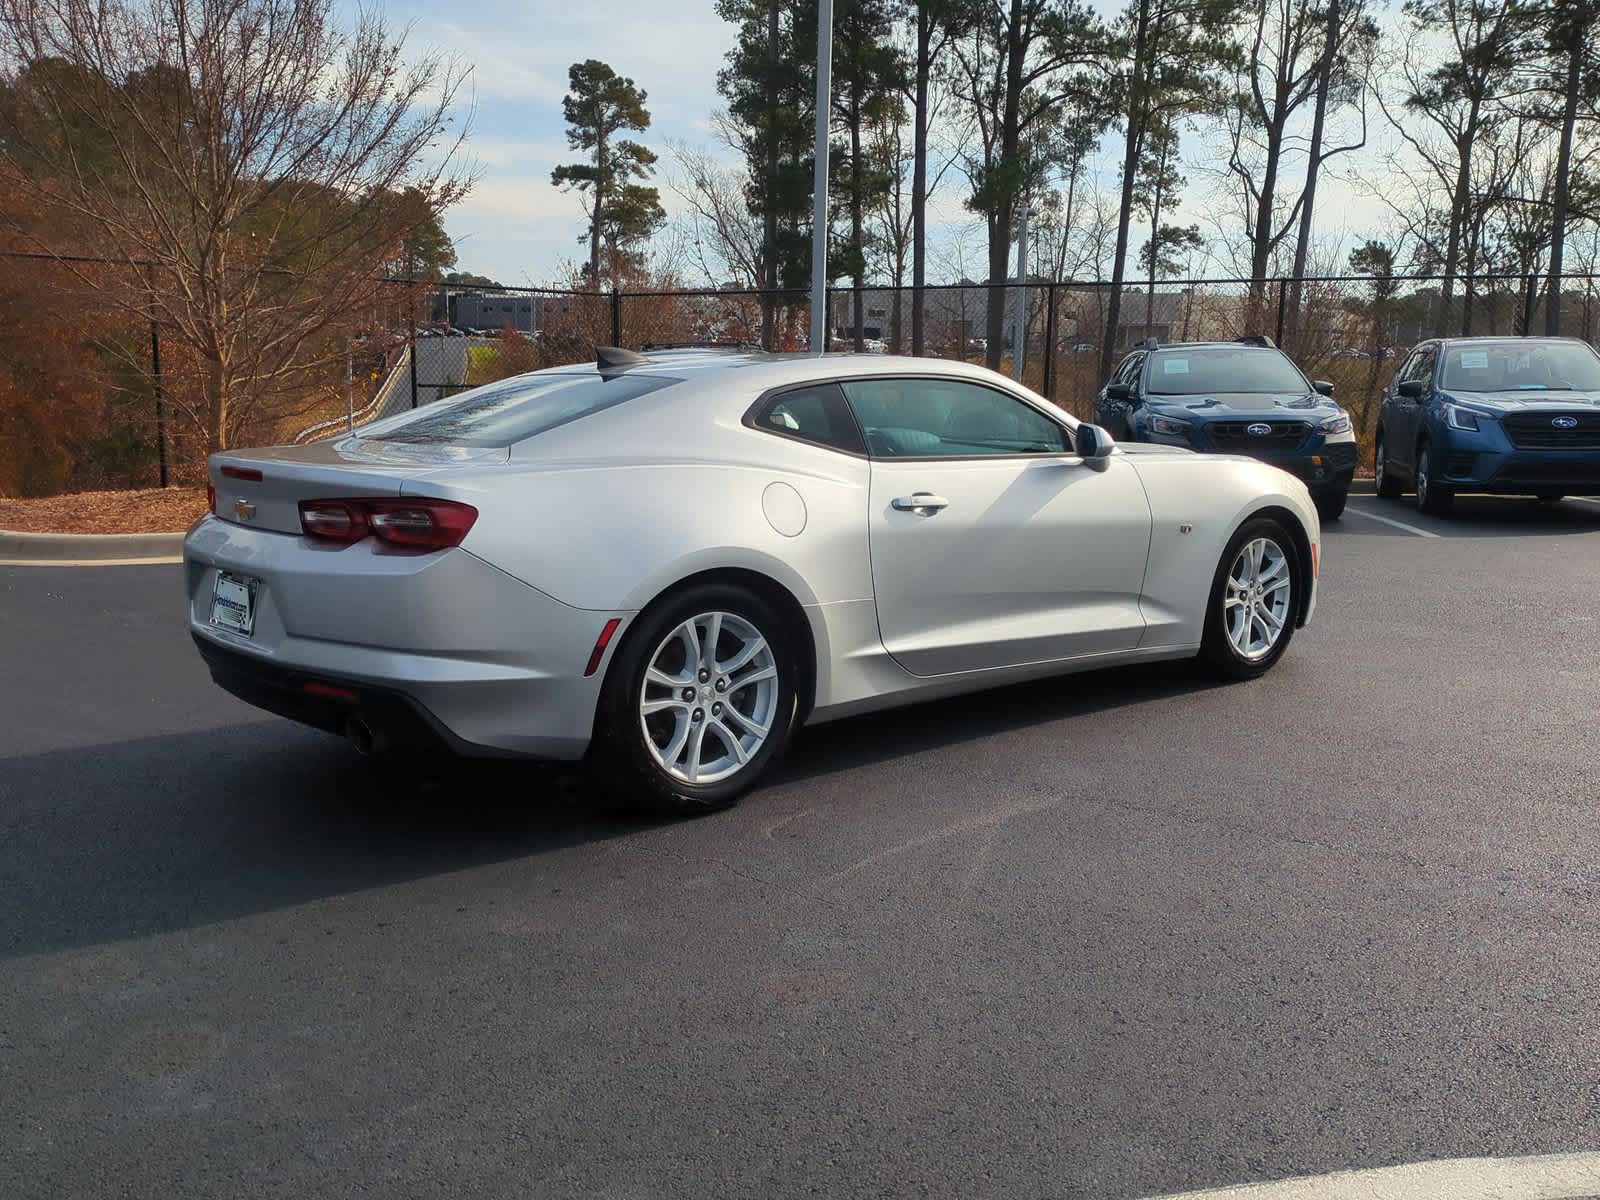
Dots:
pixel 500 414
pixel 811 414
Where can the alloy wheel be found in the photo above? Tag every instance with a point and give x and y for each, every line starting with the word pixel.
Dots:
pixel 709 697
pixel 1255 608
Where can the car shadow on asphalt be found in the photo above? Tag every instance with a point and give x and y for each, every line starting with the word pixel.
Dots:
pixel 161 834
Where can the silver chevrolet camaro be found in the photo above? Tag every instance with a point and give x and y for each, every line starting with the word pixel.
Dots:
pixel 665 564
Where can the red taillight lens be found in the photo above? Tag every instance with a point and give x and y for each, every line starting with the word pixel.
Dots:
pixel 333 520
pixel 420 524
pixel 250 474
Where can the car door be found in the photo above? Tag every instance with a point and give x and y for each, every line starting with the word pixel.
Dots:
pixel 1406 411
pixel 992 543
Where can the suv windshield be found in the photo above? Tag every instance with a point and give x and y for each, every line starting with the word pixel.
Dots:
pixel 1519 367
pixel 1196 372
pixel 499 414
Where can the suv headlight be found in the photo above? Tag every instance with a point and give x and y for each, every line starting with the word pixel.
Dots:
pixel 1460 418
pixel 1170 426
pixel 1339 423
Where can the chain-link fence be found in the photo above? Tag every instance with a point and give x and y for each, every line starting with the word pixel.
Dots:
pixel 98 397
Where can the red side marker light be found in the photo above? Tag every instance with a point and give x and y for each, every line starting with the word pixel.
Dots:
pixel 327 691
pixel 600 644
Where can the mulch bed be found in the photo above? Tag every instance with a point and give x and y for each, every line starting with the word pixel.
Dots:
pixel 153 510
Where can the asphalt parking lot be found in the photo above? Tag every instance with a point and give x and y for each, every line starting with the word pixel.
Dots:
pixel 1109 936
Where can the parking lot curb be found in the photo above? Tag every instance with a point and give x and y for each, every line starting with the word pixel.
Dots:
pixel 88 549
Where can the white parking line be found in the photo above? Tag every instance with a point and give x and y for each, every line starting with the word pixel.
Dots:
pixel 1541 1177
pixel 1372 516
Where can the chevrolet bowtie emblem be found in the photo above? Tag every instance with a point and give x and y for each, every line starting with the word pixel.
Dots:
pixel 244 509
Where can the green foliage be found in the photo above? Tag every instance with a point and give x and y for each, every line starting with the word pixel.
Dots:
pixel 600 105
pixel 770 89
pixel 1169 248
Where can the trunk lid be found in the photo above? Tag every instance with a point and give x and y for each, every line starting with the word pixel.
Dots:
pixel 262 489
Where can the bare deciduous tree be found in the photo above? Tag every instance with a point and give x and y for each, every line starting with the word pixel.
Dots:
pixel 249 162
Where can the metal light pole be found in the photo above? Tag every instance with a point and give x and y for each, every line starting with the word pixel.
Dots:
pixel 819 222
pixel 1019 326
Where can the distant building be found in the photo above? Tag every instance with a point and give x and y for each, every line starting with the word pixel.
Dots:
pixel 495 310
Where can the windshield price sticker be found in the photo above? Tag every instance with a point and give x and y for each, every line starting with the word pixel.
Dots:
pixel 1475 359
pixel 1175 366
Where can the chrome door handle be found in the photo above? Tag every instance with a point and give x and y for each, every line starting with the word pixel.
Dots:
pixel 922 502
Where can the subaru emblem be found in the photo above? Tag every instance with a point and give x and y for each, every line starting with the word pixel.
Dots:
pixel 1258 429
pixel 1564 422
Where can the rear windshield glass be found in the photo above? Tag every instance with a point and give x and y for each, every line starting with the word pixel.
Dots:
pixel 1520 367
pixel 1203 372
pixel 499 414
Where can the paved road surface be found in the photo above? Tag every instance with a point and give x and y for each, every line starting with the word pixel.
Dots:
pixel 1111 936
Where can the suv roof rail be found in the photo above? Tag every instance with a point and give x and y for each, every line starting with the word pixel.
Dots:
pixel 705 344
pixel 1258 339
pixel 1146 343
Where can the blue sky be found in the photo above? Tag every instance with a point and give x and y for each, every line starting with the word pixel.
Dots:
pixel 519 229
pixel 515 225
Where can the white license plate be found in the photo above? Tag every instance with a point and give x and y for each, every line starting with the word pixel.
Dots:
pixel 233 603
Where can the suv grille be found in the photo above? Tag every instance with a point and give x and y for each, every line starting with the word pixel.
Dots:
pixel 1534 431
pixel 1234 435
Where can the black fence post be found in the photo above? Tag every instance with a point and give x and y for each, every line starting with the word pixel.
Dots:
pixel 1283 295
pixel 616 317
pixel 161 411
pixel 1050 340
pixel 1529 293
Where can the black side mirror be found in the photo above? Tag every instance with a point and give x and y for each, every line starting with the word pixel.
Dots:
pixel 1323 386
pixel 1411 389
pixel 1094 446
pixel 1118 391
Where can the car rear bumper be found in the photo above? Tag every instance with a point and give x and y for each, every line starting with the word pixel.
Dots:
pixel 441 647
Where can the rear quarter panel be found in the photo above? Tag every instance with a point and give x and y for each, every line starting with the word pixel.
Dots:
pixel 1197 502
pixel 615 534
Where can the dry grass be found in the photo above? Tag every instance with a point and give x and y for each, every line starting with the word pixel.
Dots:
pixel 153 510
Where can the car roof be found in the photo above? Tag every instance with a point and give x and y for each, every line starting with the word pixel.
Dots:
pixel 1506 337
pixel 761 370
pixel 1223 345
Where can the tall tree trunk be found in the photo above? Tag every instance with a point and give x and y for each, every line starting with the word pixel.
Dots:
pixel 1155 247
pixel 769 218
pixel 1000 220
pixel 599 207
pixel 1130 164
pixel 919 181
pixel 1308 199
pixel 857 301
pixel 1261 240
pixel 1460 210
pixel 1558 216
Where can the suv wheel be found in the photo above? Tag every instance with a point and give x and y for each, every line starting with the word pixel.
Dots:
pixel 1388 487
pixel 1433 498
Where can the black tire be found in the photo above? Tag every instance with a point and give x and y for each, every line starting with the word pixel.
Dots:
pixel 1330 505
pixel 1433 498
pixel 620 757
pixel 1384 477
pixel 1217 654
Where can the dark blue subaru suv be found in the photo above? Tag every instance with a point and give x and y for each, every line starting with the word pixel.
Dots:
pixel 1244 397
pixel 1516 416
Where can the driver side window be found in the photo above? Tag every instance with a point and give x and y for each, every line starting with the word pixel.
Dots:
pixel 943 418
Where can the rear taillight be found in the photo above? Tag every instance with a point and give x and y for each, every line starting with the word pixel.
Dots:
pixel 420 524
